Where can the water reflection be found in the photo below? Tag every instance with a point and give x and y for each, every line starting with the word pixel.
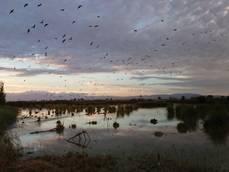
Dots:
pixel 214 120
pixel 50 112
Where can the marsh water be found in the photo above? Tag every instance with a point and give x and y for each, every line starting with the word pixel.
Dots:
pixel 120 129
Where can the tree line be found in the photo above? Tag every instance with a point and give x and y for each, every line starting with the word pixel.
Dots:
pixel 2 94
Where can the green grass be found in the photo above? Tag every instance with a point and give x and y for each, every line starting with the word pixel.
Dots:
pixel 103 163
pixel 8 150
pixel 8 116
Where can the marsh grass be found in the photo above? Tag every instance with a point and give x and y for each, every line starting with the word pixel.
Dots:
pixel 8 116
pixel 8 149
pixel 153 162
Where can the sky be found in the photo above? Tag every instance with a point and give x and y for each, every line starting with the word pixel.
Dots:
pixel 115 48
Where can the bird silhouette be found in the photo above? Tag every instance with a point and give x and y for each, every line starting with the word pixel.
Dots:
pixel 80 6
pixel 46 25
pixel 62 9
pixel 34 26
pixel 28 30
pixel 26 5
pixel 11 11
pixel 40 4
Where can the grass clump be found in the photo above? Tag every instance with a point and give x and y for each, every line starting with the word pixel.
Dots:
pixel 8 116
pixel 8 150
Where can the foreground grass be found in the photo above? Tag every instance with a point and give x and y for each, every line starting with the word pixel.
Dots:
pixel 8 116
pixel 84 163
pixel 8 150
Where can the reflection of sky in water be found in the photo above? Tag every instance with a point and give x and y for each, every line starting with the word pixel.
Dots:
pixel 139 119
pixel 135 134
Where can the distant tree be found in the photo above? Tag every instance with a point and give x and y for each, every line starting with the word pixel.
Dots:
pixel 2 94
pixel 210 97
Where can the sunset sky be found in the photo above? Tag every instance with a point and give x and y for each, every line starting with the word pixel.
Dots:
pixel 115 47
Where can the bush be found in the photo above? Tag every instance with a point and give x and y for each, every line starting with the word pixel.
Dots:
pixel 8 116
pixel 8 150
pixel 2 94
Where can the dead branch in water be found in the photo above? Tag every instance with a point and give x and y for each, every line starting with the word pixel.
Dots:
pixel 43 131
pixel 81 139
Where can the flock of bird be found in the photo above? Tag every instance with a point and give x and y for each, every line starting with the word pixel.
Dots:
pixel 128 61
pixel 45 25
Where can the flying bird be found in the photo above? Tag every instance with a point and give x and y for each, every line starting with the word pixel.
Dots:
pixel 39 4
pixel 80 6
pixel 63 41
pixel 34 26
pixel 62 9
pixel 73 21
pixel 11 11
pixel 46 25
pixel 28 30
pixel 26 5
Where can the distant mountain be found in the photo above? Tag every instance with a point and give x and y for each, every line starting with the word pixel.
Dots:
pixel 42 95
pixel 177 96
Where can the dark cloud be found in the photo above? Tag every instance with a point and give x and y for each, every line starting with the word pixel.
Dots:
pixel 142 78
pixel 186 38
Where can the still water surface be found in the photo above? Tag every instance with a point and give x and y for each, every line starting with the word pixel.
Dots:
pixel 134 135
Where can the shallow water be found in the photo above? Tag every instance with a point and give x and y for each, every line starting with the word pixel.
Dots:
pixel 135 134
